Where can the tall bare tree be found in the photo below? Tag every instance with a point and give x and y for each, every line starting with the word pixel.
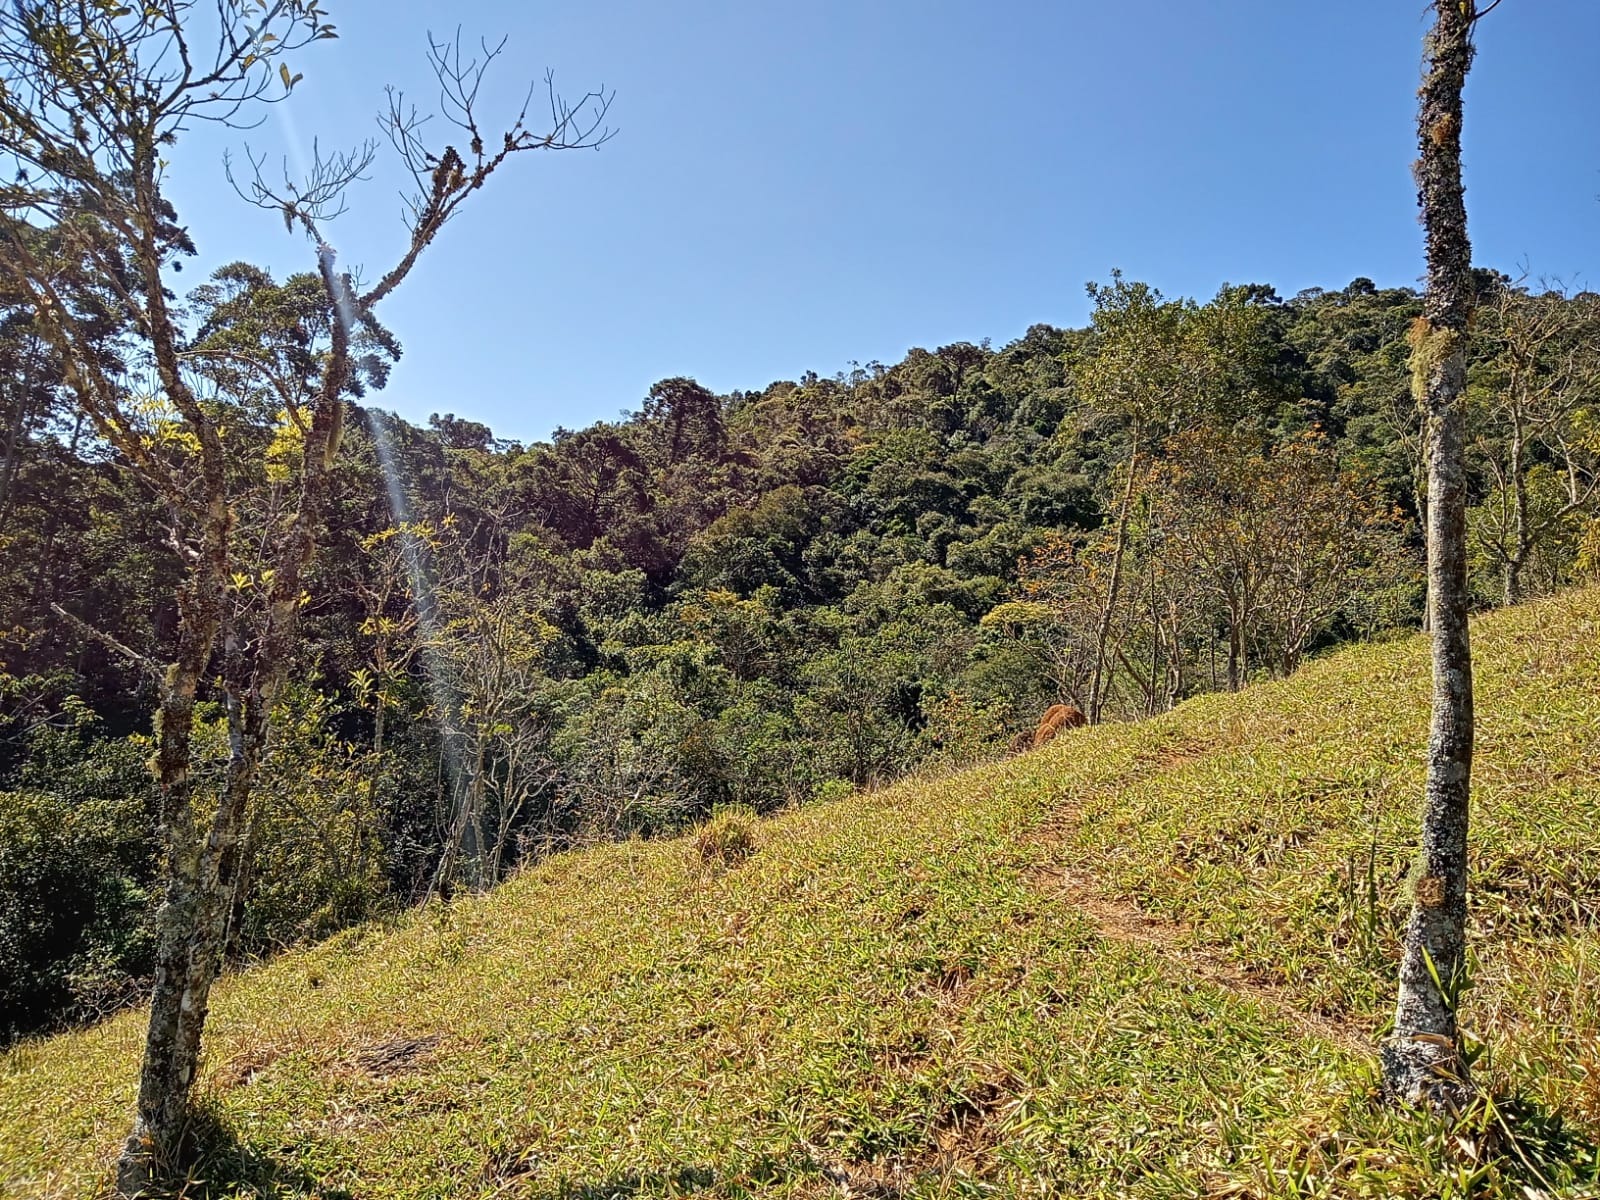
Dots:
pixel 486 643
pixel 1422 1062
pixel 1542 403
pixel 94 97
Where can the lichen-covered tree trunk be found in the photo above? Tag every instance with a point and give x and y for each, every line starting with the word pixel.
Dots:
pixel 167 1072
pixel 1422 1063
pixel 204 856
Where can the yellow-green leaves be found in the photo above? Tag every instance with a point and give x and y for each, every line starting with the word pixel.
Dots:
pixel 284 451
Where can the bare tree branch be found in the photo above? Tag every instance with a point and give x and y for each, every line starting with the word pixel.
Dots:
pixel 148 666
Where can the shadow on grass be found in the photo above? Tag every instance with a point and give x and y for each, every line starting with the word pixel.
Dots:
pixel 670 1182
pixel 1535 1147
pixel 1505 1143
pixel 751 1180
pixel 219 1164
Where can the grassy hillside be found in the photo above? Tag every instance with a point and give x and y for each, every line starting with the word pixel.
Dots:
pixel 1150 960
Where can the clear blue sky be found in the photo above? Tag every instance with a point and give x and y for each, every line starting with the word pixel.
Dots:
pixel 802 185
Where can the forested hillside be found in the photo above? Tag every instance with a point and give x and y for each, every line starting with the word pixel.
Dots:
pixel 1147 961
pixel 747 599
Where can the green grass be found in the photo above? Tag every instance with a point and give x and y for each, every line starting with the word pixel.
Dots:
pixel 887 995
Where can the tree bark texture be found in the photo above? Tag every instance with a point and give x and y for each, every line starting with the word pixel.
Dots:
pixel 1422 1063
pixel 203 859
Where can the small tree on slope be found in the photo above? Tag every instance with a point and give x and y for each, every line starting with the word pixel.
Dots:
pixel 1422 1062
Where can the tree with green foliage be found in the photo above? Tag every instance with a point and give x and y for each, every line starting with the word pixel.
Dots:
pixel 1135 372
pixel 77 865
pixel 93 99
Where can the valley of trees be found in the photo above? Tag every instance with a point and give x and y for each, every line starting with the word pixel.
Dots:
pixel 274 661
pixel 753 599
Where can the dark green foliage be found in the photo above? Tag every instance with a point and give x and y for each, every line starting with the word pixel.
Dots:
pixel 77 864
pixel 746 600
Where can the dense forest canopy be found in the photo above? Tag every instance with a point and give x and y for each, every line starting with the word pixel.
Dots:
pixel 747 599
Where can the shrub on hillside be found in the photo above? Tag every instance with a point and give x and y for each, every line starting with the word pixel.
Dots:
pixel 728 838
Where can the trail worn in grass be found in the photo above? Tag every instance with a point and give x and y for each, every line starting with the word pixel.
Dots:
pixel 879 997
pixel 1175 945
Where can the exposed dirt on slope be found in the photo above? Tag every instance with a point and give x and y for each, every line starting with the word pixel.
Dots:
pixel 395 1055
pixel 1177 949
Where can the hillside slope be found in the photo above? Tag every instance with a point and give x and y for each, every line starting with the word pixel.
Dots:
pixel 1148 960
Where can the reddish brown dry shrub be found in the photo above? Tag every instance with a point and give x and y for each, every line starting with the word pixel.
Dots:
pixel 1056 718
